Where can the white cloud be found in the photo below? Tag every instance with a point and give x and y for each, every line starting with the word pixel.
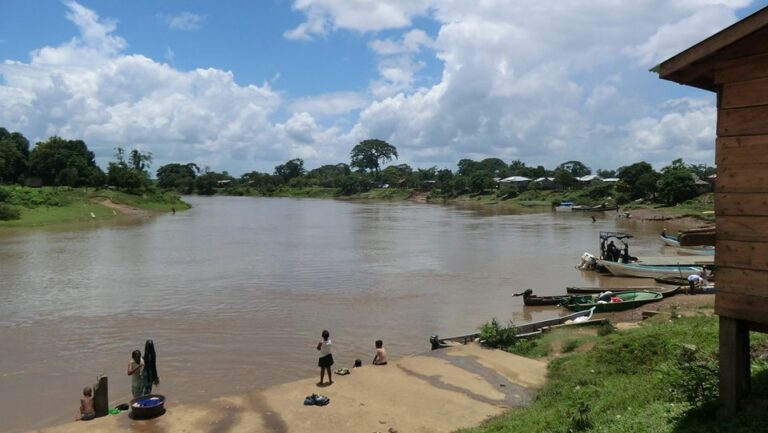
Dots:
pixel 185 21
pixel 330 103
pixel 88 89
pixel 672 38
pixel 411 42
pixel 686 130
pixel 357 15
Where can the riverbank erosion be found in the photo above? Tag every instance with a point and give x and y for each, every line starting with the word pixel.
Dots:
pixel 439 391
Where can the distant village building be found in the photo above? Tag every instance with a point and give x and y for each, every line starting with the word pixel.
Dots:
pixel 545 183
pixel 734 64
pixel 521 182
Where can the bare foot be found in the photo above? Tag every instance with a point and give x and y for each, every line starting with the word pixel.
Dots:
pixel 319 383
pixel 330 382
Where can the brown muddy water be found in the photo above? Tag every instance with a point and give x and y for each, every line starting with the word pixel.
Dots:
pixel 236 291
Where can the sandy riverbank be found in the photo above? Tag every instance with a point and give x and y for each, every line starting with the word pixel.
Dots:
pixel 439 391
pixel 125 210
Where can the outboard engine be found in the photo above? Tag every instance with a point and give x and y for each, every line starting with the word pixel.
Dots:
pixel 588 262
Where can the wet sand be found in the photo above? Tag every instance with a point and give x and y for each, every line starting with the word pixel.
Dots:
pixel 438 391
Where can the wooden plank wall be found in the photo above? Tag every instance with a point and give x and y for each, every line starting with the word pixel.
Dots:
pixel 741 192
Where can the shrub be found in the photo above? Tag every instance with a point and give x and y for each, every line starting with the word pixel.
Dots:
pixel 493 334
pixel 569 346
pixel 605 328
pixel 693 377
pixel 9 212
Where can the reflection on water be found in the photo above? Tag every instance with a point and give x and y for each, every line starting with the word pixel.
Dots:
pixel 236 291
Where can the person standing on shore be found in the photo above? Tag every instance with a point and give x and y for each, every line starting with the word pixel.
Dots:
pixel 326 358
pixel 136 370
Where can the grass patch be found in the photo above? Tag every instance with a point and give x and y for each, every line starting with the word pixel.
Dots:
pixel 62 205
pixel 625 383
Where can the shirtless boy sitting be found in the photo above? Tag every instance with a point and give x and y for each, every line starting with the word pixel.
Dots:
pixel 87 412
pixel 381 355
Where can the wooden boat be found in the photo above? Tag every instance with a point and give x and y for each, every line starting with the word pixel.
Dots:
pixel 648 271
pixel 524 330
pixel 529 299
pixel 670 240
pixel 697 251
pixel 594 208
pixel 665 291
pixel 628 301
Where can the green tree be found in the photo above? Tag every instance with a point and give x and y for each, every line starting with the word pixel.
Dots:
pixel 130 176
pixel 369 154
pixel 467 167
pixel 179 177
pixel 676 185
pixel 495 166
pixel 480 181
pixel 576 168
pixel 605 174
pixel 564 178
pixel 400 175
pixel 329 176
pixel 638 180
pixel 49 158
pixel 14 152
pixel 291 169
pixel 140 161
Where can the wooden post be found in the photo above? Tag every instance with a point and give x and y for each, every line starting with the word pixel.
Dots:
pixel 734 364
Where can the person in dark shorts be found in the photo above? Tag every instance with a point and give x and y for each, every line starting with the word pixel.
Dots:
pixel 326 358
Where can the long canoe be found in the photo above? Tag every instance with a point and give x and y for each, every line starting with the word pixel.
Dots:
pixel 529 299
pixel 534 300
pixel 523 330
pixel 628 301
pixel 648 271
pixel 665 291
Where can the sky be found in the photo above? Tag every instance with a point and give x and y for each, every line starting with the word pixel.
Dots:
pixel 247 85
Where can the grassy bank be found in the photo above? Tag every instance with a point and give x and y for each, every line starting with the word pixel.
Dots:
pixel 62 205
pixel 660 377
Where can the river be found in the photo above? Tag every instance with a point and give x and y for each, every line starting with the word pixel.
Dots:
pixel 235 291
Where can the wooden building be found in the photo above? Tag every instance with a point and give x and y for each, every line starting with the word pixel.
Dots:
pixel 734 64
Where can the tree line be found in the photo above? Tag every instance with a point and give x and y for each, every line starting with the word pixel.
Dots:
pixel 60 162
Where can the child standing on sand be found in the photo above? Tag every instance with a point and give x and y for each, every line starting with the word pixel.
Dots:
pixel 326 358
pixel 87 412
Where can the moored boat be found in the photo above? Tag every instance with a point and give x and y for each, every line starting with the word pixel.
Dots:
pixel 670 240
pixel 648 271
pixel 665 291
pixel 529 299
pixel 619 301
pixel 523 330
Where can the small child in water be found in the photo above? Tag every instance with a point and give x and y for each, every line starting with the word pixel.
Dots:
pixel 87 412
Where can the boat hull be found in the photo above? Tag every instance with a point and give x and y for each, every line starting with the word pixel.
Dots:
pixel 648 271
pixel 670 240
pixel 665 291
pixel 629 301
pixel 523 330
